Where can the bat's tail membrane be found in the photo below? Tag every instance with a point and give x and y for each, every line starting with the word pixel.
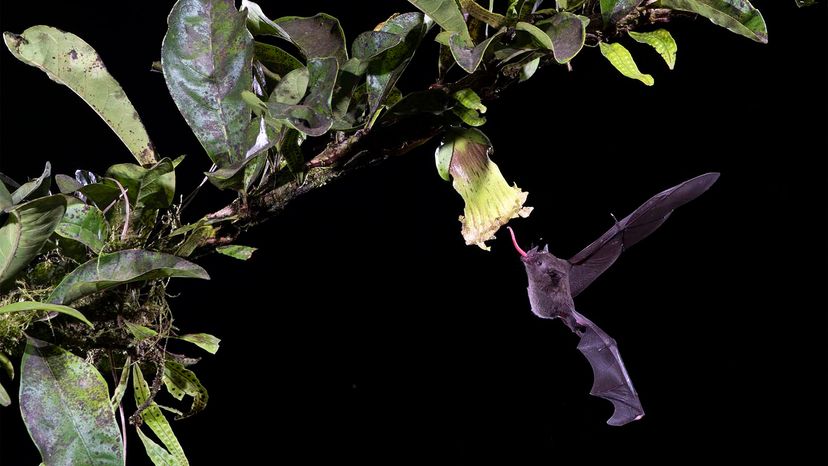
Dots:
pixel 611 380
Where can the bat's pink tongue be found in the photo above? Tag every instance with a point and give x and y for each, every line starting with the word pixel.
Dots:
pixel 514 241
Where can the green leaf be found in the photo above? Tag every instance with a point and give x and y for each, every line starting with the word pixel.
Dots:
pixel 537 33
pixel 204 341
pixel 348 89
pixel 207 57
pixel 156 453
pixel 383 73
pixel 38 187
pixel 613 11
pixel 237 251
pixel 804 3
pixel 371 44
pixel 70 61
pixel 129 175
pixel 319 36
pixel 314 116
pixel 529 69
pixel 110 270
pixel 26 230
pixel 292 153
pixel 180 381
pixel 5 198
pixel 157 189
pixel 259 24
pixel 470 107
pixel 65 405
pixel 230 177
pixel 470 58
pixel 738 16
pixel 154 418
pixel 66 184
pixel 275 59
pixel 85 224
pixel 120 389
pixel 5 400
pixel 6 364
pixel 36 306
pixel 447 14
pixel 139 331
pixel 567 32
pixel 662 41
pixel 292 88
pixel 621 59
pixel 200 234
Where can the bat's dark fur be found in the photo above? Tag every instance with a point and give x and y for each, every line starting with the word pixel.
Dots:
pixel 553 283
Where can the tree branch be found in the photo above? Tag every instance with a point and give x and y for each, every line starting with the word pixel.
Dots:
pixel 370 146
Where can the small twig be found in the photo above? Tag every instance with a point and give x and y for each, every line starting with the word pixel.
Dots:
pixel 125 231
pixel 114 202
pixel 192 195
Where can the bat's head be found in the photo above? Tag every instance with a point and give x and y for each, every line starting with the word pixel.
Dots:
pixel 542 267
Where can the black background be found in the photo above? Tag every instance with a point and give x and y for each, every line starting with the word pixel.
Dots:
pixel 363 329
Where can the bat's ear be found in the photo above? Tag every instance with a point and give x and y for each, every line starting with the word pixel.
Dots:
pixel 533 250
pixel 546 248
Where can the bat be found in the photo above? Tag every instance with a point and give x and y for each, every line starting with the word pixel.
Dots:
pixel 554 282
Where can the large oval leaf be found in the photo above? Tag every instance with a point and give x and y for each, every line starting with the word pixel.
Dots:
pixel 738 16
pixel 28 227
pixel 65 405
pixel 70 61
pixel 132 265
pixel 207 57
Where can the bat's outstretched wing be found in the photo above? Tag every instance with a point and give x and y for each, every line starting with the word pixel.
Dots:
pixel 588 264
pixel 611 380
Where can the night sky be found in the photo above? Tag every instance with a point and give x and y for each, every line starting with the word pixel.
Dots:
pixel 363 330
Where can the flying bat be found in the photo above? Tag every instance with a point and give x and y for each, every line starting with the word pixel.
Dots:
pixel 554 282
